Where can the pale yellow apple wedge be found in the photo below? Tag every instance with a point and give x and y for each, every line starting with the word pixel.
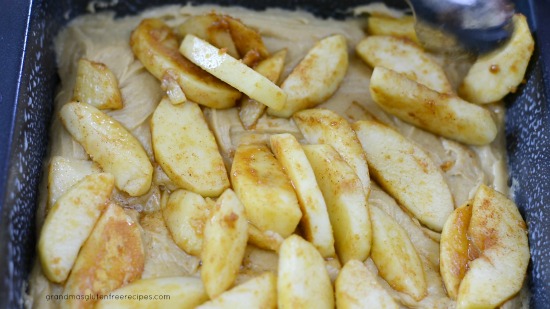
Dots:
pixel 156 46
pixel 96 85
pixel 185 215
pixel 315 223
pixel 346 202
pixel 212 28
pixel 323 126
pixel 442 114
pixel 316 77
pixel 63 173
pixel 454 249
pixel 113 256
pixel 176 293
pixel 258 292
pixel 76 211
pixel 402 27
pixel 303 280
pixel 405 57
pixel 406 172
pixel 498 235
pixel 232 71
pixel 271 67
pixel 500 72
pixel 186 149
pixel 225 238
pixel 110 145
pixel 356 288
pixel 265 191
pixel 395 256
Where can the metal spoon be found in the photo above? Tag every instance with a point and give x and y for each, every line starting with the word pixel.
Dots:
pixel 455 26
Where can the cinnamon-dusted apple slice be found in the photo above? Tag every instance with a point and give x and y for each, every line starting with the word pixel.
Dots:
pixel 346 202
pixel 232 71
pixel 96 85
pixel 77 211
pixel 395 256
pixel 113 256
pixel 356 288
pixel 212 28
pixel 258 292
pixel 316 77
pixel 402 27
pixel 185 215
pixel 181 292
pixel 186 149
pixel 440 113
pixel 271 68
pixel 303 280
pixel 405 57
pixel 156 46
pixel 63 173
pixel 315 222
pixel 225 237
pixel 109 144
pixel 247 40
pixel 406 172
pixel 488 247
pixel 454 245
pixel 323 126
pixel 265 191
pixel 500 72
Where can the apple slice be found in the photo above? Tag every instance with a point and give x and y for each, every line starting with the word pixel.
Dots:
pixel 265 191
pixel 212 28
pixel 454 249
pixel 109 144
pixel 323 126
pixel 315 222
pixel 113 256
pixel 258 292
pixel 96 85
pixel 356 288
pixel 186 149
pixel 405 57
pixel 156 46
pixel 395 256
pixel 232 71
pixel 77 211
pixel 247 40
pixel 303 280
pixel 63 173
pixel 495 250
pixel 176 292
pixel 316 77
pixel 501 70
pixel 185 215
pixel 406 172
pixel 402 27
pixel 225 237
pixel 443 114
pixel 271 68
pixel 346 202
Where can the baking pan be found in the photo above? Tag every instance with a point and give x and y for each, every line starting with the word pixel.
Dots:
pixel 29 80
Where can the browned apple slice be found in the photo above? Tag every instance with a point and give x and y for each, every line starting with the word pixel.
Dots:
pixel 113 256
pixel 156 46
